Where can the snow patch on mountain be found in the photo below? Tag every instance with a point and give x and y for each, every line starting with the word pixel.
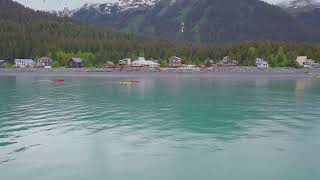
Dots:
pixel 109 7
pixel 304 4
pixel 99 8
pixel 129 4
pixel 66 12
pixel 300 5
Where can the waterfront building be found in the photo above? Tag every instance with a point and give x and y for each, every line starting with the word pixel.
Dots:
pixel 125 62
pixel 227 61
pixel 142 62
pixel 304 61
pixel 23 63
pixel 76 62
pixel 261 63
pixel 175 61
pixel 44 62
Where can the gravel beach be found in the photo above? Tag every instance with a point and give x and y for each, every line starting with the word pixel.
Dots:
pixel 163 72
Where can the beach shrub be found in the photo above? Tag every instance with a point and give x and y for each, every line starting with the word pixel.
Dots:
pixel 56 64
pixel 163 63
pixel 8 65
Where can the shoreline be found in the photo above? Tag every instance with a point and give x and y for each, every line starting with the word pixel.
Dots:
pixel 161 74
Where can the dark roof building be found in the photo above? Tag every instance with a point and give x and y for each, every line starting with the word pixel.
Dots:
pixel 44 62
pixel 76 63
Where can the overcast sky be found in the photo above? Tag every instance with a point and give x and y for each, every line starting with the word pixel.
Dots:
pixel 71 4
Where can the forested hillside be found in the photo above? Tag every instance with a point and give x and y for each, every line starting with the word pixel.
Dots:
pixel 28 34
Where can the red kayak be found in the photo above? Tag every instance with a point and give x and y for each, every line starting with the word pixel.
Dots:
pixel 133 81
pixel 58 80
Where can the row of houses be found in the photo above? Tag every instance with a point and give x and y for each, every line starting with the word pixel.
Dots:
pixel 302 61
pixel 45 62
pixel 226 61
pixel 140 62
pixel 173 62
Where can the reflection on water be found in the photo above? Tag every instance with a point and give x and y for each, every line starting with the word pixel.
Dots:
pixel 108 130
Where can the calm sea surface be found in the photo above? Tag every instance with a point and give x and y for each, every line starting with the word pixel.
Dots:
pixel 159 129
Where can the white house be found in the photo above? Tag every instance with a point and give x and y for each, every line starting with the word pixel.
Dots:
pixel 21 63
pixel 261 63
pixel 125 62
pixel 301 59
pixel 304 61
pixel 142 62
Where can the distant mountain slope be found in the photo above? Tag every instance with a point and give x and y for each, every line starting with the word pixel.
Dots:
pixel 202 21
pixel 306 13
pixel 310 19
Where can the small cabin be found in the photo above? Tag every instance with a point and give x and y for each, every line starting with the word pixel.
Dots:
pixel 76 63
pixel 125 62
pixel 109 64
pixel 261 63
pixel 44 62
pixel 304 61
pixel 23 63
pixel 227 61
pixel 175 61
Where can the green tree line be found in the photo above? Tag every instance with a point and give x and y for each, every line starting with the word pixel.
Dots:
pixel 25 33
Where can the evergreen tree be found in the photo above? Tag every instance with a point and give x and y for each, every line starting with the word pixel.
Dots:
pixel 281 58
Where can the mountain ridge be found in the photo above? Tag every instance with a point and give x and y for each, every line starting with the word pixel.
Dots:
pixel 200 21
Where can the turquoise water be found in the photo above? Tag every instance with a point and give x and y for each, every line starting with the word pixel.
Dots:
pixel 159 129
